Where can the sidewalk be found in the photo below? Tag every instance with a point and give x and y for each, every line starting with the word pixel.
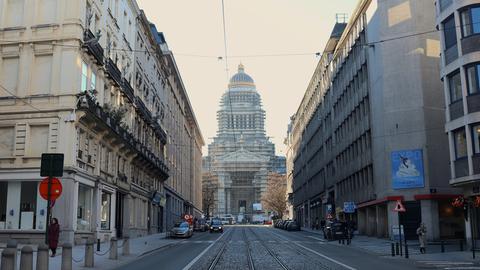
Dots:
pixel 138 247
pixel 383 247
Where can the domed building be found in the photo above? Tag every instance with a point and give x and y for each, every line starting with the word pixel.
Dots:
pixel 241 155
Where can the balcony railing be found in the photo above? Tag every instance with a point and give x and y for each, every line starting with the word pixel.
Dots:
pixel 127 90
pixel 126 137
pixel 92 46
pixel 144 112
pixel 113 72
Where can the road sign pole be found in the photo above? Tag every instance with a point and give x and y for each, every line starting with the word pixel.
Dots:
pixel 400 233
pixel 48 208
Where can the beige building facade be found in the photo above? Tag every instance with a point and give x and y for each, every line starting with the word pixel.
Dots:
pixel 95 81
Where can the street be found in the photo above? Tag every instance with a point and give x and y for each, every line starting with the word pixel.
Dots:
pixel 259 247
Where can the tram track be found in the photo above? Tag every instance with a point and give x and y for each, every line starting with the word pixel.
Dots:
pixel 251 265
pixel 270 251
pixel 222 249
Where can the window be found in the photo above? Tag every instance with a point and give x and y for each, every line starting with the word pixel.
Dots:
pixel 14 12
pixel 28 205
pixel 455 87
pixel 471 21
pixel 3 204
pixel 84 77
pixel 9 76
pixel 105 211
pixel 473 76
pixel 84 210
pixel 93 81
pixel 38 140
pixel 476 138
pixel 42 74
pixel 460 141
pixel 7 141
pixel 450 32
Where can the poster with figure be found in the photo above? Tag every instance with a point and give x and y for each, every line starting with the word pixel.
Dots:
pixel 407 169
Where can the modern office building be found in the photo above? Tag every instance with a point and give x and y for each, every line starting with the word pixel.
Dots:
pixel 369 129
pixel 459 24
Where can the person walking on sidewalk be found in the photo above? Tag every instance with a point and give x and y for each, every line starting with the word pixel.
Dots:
pixel 53 233
pixel 422 237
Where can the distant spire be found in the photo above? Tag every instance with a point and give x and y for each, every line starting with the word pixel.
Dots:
pixel 241 68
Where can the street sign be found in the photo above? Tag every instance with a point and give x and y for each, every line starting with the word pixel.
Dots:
pixel 399 207
pixel 349 207
pixel 55 189
pixel 51 165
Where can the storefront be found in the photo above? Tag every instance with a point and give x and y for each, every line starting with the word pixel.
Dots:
pixel 21 206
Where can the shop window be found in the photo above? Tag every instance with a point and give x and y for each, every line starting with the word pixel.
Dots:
pixel 105 211
pixel 455 87
pixel 473 76
pixel 460 142
pixel 84 210
pixel 471 21
pixel 28 205
pixel 451 221
pixel 3 204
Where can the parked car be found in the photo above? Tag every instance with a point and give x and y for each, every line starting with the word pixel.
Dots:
pixel 201 225
pixel 216 226
pixel 182 229
pixel 334 230
pixel 285 224
pixel 293 226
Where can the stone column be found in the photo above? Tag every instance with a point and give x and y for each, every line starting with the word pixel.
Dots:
pixel 430 217
pixel 65 209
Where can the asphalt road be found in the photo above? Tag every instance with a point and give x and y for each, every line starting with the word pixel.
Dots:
pixel 259 247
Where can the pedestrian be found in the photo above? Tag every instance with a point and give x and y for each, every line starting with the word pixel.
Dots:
pixel 53 233
pixel 422 237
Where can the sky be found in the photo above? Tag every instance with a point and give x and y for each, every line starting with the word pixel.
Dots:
pixel 293 29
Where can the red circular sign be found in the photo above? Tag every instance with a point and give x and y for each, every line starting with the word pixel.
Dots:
pixel 55 189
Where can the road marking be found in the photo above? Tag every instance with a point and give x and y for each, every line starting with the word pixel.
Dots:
pixel 463 267
pixel 318 253
pixel 201 254
pixel 316 238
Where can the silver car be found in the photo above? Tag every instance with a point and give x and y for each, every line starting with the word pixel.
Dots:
pixel 182 229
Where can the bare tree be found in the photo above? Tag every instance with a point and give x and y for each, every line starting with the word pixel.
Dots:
pixel 275 199
pixel 208 200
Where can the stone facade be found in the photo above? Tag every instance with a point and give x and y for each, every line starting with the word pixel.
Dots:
pixel 92 80
pixel 241 155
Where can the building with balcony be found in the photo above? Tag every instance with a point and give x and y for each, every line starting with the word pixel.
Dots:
pixel 370 128
pixel 459 26
pixel 90 80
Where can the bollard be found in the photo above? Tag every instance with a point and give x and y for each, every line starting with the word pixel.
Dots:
pixel 8 259
pixel 26 258
pixel 12 243
pixel 126 246
pixel 113 249
pixel 66 256
pixel 42 257
pixel 461 245
pixel 89 259
pixel 406 250
pixel 343 241
pixel 98 244
pixel 393 250
pixel 339 241
pixel 397 248
pixel 442 246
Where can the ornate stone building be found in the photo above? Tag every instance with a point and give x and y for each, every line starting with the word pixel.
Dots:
pixel 241 155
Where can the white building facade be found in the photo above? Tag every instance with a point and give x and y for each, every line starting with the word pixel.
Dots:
pixel 73 75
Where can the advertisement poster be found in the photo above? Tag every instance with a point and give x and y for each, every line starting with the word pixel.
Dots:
pixel 407 169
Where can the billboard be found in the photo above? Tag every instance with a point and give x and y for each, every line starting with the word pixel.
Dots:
pixel 407 169
pixel 257 207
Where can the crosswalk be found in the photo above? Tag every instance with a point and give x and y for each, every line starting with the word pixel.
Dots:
pixel 450 265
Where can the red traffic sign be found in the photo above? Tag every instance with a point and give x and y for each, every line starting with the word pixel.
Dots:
pixel 399 207
pixel 55 189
